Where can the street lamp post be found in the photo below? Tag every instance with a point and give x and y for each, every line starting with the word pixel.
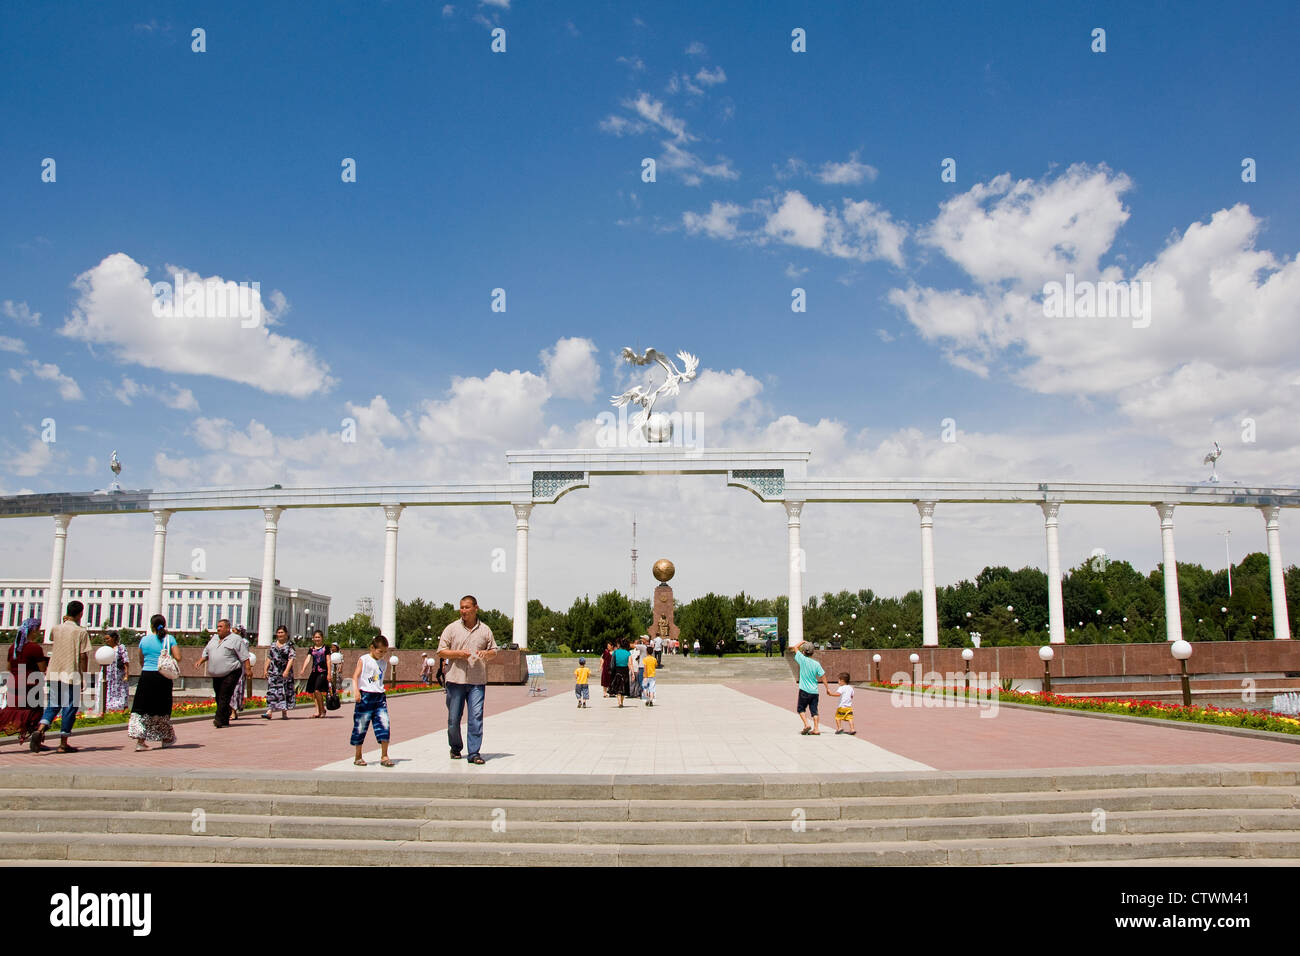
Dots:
pixel 916 669
pixel 966 655
pixel 1182 650
pixel 1045 654
pixel 875 658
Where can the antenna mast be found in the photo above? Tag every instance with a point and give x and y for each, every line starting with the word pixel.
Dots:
pixel 632 590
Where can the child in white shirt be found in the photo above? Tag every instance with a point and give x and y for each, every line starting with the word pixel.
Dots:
pixel 844 711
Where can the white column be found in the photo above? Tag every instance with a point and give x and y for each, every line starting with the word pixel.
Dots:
pixel 155 606
pixel 54 596
pixel 929 608
pixel 521 573
pixel 266 613
pixel 1173 614
pixel 388 615
pixel 795 627
pixel 1281 619
pixel 1055 603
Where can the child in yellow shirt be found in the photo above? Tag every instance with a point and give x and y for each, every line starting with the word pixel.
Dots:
pixel 580 678
pixel 648 682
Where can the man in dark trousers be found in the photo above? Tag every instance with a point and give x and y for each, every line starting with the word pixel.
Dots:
pixel 225 658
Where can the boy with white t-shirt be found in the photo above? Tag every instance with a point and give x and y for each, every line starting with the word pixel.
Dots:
pixel 372 702
pixel 844 710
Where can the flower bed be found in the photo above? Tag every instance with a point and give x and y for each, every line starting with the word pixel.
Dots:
pixel 198 708
pixel 1197 713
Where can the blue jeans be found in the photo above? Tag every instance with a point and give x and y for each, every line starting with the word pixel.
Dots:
pixel 370 707
pixel 456 696
pixel 64 700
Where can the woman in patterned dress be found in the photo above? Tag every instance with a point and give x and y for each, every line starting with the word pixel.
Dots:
pixel 151 711
pixel 23 711
pixel 118 683
pixel 237 695
pixel 277 670
pixel 318 669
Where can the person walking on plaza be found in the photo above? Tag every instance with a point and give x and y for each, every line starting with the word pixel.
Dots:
pixel 767 647
pixel 659 649
pixel 237 695
pixel 69 659
pixel 697 647
pixel 580 678
pixel 224 659
pixel 722 646
pixel 277 671
pixel 607 667
pixel 618 684
pixel 151 711
pixel 27 662
pixel 318 663
pixel 117 684
pixel 844 712
pixel 467 645
pixel 371 701
pixel 634 672
pixel 811 673
pixel 648 682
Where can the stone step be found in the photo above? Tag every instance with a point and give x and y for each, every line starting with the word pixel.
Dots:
pixel 654 811
pixel 131 848
pixel 657 788
pixel 713 833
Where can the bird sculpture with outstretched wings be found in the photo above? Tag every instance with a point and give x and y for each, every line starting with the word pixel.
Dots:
pixel 646 397
pixel 1210 459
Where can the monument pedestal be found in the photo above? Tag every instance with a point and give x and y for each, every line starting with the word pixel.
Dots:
pixel 661 620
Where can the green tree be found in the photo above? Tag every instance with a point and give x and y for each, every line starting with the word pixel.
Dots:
pixel 356 631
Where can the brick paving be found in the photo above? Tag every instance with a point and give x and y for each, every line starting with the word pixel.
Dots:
pixel 943 738
pixel 250 743
pixel 958 738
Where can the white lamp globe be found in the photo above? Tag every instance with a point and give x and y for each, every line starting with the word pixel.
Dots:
pixel 1181 650
pixel 967 654
pixel 105 654
pixel 914 658
pixel 393 660
pixel 875 658
pixel 337 657
pixel 1045 653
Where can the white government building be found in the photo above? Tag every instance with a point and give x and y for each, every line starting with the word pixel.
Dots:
pixel 190 603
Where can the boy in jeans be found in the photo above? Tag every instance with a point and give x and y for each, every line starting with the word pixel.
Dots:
pixel 372 702
pixel 580 678
pixel 844 712
pixel 648 682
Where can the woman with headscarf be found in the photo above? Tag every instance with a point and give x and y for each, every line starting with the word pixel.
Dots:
pixel 27 661
pixel 117 684
pixel 277 671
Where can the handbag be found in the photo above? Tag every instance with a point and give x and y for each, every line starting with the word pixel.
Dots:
pixel 167 665
pixel 332 701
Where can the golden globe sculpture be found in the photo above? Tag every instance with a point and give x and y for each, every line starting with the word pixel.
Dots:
pixel 663 570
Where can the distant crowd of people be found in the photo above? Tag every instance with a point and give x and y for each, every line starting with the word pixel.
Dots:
pixel 627 670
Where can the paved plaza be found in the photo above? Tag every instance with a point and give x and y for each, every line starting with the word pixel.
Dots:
pixel 739 727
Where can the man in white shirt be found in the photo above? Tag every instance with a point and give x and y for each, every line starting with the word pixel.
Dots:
pixel 659 649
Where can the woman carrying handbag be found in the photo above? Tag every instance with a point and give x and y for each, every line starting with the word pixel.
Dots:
pixel 151 712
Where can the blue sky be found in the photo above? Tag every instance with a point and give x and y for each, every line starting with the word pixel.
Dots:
pixel 522 170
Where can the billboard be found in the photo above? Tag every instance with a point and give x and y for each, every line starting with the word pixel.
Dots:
pixel 755 630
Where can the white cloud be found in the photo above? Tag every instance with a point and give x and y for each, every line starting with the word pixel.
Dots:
pixel 35 459
pixel 1029 232
pixel 653 111
pixel 711 77
pixel 859 231
pixel 116 309
pixel 19 312
pixel 8 344
pixel 651 114
pixel 69 390
pixel 718 223
pixel 448 10
pixel 376 420
pixel 798 222
pixel 634 62
pixel 173 396
pixel 500 4
pixel 503 407
pixel 849 172
pixel 696 48
pixel 16 375
pixel 571 369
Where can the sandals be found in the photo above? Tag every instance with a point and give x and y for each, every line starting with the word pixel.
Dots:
pixel 142 746
pixel 266 716
pixel 358 762
pixel 387 763
pixel 806 731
